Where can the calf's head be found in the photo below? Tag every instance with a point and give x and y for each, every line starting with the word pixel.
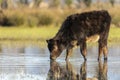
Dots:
pixel 54 48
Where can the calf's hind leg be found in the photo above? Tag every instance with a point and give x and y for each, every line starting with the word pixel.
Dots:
pixel 103 50
pixel 100 51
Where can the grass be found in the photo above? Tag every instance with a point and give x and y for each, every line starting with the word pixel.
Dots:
pixel 24 35
pixel 114 35
pixel 18 33
pixel 42 34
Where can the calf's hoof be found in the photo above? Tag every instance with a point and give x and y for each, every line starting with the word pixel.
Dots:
pixel 105 59
pixel 85 59
pixel 99 59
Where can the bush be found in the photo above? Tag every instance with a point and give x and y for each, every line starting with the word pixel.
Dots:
pixel 10 20
pixel 28 18
pixel 40 17
pixel 31 21
pixel 116 20
pixel 44 19
pixel 3 19
pixel 33 17
pixel 15 20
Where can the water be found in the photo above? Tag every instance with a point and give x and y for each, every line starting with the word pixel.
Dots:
pixel 32 62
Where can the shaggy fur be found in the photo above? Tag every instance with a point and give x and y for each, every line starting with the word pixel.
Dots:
pixel 77 29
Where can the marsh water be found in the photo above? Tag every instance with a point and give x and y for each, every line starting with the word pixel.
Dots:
pixel 31 62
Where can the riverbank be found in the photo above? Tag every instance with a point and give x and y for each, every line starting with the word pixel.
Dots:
pixel 41 34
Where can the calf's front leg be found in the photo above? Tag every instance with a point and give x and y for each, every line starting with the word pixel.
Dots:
pixel 83 50
pixel 69 53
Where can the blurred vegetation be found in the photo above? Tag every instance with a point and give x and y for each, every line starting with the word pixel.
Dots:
pixel 32 17
pixel 87 2
pixel 112 2
pixel 40 13
pixel 68 2
pixel 40 21
pixel 55 3
pixel 41 17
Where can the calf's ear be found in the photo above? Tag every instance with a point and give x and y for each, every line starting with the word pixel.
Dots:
pixel 47 41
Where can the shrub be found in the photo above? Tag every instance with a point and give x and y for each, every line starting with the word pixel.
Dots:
pixel 31 21
pixel 15 20
pixel 44 19
pixel 3 19
pixel 116 20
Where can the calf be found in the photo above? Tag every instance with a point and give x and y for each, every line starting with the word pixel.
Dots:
pixel 78 29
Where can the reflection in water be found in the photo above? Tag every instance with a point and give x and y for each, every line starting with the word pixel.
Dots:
pixel 58 72
pixel 83 72
pixel 102 70
pixel 67 72
pixel 31 62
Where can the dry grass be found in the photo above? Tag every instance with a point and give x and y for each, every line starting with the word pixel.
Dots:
pixel 39 17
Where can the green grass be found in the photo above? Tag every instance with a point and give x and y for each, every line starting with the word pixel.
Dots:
pixel 26 33
pixel 114 35
pixel 42 34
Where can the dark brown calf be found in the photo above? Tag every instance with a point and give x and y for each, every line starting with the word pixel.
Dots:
pixel 78 29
